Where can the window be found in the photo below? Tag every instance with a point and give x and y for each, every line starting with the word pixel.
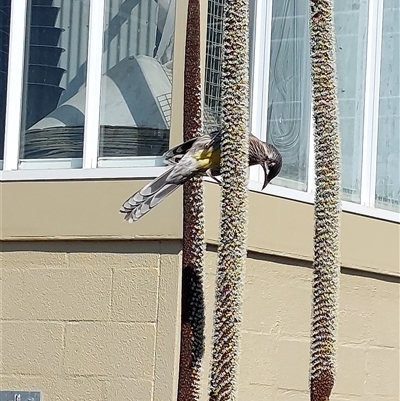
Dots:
pixel 92 80
pixel 4 44
pixel 368 54
pixel 55 59
pixel 136 82
pixel 387 193
pixel 212 94
pixel 287 100
pixel 92 83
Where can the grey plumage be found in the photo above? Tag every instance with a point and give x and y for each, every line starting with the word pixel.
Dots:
pixel 199 156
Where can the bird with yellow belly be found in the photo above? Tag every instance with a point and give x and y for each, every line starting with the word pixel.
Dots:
pixel 197 157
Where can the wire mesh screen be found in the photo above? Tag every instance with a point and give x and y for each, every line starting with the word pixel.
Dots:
pixel 212 95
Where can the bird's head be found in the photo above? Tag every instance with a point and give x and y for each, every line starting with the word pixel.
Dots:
pixel 267 156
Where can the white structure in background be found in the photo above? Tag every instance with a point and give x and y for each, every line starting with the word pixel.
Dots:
pixel 137 39
pixel 137 92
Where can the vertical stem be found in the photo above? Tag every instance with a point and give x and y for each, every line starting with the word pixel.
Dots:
pixel 192 325
pixel 233 225
pixel 327 201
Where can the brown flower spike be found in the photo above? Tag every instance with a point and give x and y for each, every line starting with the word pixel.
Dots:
pixel 327 201
pixel 192 324
pixel 234 201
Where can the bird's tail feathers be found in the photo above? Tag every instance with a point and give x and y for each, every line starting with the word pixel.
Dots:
pixel 148 197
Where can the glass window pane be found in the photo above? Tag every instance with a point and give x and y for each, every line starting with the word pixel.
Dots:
pixel 289 93
pixel 54 90
pixel 388 158
pixel 213 72
pixel 136 83
pixel 4 40
pixel 351 32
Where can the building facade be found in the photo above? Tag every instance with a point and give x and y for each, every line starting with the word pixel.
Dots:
pixel 90 305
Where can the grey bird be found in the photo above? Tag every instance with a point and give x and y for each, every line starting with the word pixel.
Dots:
pixel 197 157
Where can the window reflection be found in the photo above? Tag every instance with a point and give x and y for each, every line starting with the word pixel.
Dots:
pixel 388 158
pixel 213 67
pixel 137 78
pixel 4 42
pixel 54 90
pixel 351 33
pixel 289 95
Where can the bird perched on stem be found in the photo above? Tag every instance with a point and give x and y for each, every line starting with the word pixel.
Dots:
pixel 197 157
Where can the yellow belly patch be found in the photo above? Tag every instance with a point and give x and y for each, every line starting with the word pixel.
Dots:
pixel 208 158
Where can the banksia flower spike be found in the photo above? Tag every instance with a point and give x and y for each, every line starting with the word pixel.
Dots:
pixel 192 325
pixel 233 224
pixel 327 201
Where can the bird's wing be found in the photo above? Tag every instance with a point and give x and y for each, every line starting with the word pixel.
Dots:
pixel 175 154
pixel 157 190
pixel 195 158
pixel 148 197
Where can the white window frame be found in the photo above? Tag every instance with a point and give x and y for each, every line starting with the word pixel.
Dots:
pixel 93 167
pixel 259 103
pixel 93 85
pixel 16 56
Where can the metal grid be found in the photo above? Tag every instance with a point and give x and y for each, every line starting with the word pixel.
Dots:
pixel 212 95
pixel 165 100
pixel 165 104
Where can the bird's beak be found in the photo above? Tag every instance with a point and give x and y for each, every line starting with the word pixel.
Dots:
pixel 266 172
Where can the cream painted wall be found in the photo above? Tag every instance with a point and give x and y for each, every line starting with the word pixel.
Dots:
pixel 99 320
pixel 276 325
pixel 90 320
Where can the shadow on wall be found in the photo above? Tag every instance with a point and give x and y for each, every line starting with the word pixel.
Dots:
pixel 166 247
pixel 308 264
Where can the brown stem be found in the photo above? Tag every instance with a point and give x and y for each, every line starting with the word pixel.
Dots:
pixel 192 329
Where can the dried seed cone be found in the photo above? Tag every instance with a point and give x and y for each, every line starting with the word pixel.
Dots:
pixel 233 225
pixel 327 201
pixel 192 326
